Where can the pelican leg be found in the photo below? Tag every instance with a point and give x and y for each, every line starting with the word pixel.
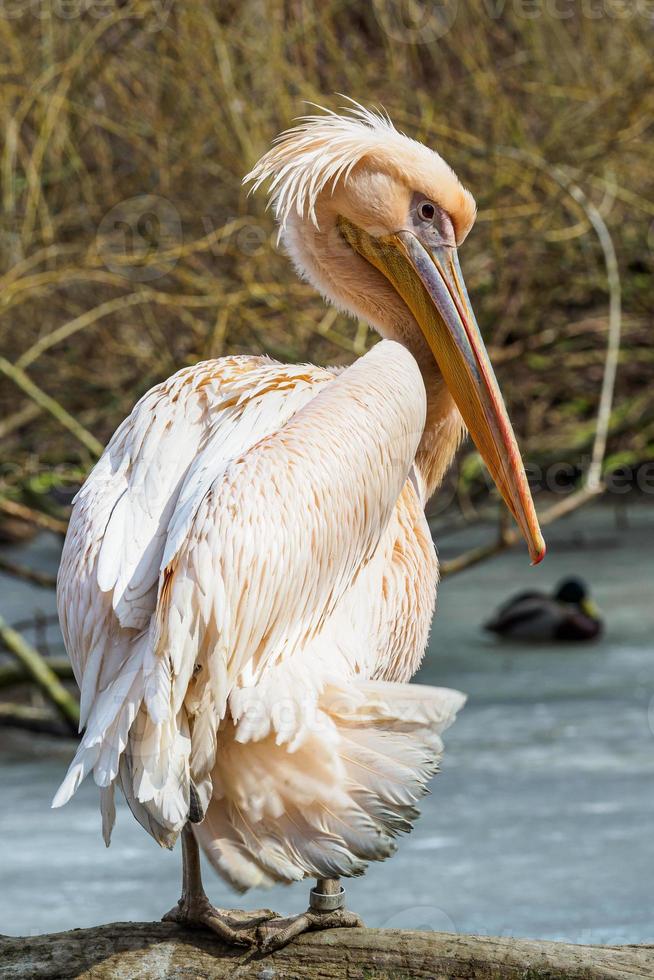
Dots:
pixel 326 911
pixel 194 909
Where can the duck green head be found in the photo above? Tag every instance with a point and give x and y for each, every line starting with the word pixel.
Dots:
pixel 574 592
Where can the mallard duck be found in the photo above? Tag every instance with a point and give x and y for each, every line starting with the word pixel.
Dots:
pixel 568 614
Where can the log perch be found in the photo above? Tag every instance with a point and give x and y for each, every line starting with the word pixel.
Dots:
pixel 165 951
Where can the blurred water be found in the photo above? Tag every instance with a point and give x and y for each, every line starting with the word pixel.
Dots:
pixel 540 824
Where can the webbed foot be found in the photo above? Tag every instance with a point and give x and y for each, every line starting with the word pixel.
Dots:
pixel 233 926
pixel 326 911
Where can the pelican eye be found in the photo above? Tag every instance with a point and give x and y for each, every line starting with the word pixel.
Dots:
pixel 426 211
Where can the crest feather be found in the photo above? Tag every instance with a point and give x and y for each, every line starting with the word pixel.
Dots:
pixel 324 148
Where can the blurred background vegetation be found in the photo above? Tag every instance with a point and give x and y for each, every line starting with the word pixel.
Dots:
pixel 129 247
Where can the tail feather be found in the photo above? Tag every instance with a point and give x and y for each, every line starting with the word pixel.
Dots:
pixel 106 732
pixel 316 791
pixel 163 835
pixel 226 850
pixel 159 764
pixel 108 811
pixel 328 807
pixel 149 759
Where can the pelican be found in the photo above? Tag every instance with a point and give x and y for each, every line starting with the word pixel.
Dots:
pixel 248 578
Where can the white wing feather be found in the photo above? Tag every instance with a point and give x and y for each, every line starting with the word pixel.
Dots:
pixel 110 567
pixel 229 518
pixel 284 529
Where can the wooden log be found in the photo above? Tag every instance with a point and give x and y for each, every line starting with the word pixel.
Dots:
pixel 38 669
pixel 164 951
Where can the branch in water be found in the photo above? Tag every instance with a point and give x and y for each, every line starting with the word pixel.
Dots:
pixel 33 575
pixel 43 675
pixel 508 538
pixel 32 516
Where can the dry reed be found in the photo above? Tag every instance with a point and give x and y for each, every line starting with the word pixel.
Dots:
pixel 129 248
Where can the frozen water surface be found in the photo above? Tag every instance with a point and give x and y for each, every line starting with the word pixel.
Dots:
pixel 541 823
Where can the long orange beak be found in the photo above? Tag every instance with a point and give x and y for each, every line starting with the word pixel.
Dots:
pixel 431 284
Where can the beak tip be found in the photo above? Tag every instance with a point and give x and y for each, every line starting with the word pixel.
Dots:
pixel 538 552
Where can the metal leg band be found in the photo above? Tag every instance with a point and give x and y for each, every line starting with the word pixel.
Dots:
pixel 326 903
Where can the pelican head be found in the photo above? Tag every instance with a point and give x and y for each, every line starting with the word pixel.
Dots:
pixel 374 220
